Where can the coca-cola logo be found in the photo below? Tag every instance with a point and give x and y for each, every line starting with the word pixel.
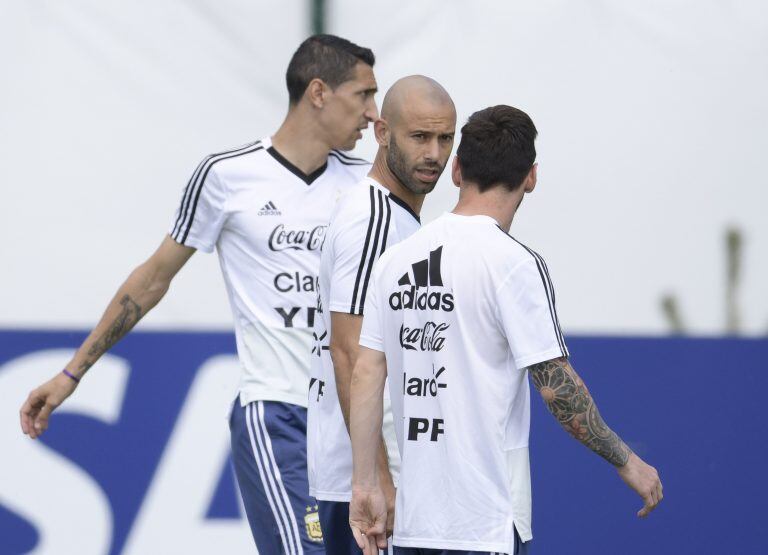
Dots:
pixel 427 338
pixel 282 239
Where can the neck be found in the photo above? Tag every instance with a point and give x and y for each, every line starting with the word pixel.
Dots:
pixel 382 174
pixel 300 140
pixel 496 203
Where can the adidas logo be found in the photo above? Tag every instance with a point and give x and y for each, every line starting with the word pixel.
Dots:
pixel 269 209
pixel 426 273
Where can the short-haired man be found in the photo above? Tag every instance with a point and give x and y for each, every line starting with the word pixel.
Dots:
pixel 461 400
pixel 265 207
pixel 415 137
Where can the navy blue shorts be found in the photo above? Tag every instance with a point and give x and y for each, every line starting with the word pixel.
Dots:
pixel 334 518
pixel 269 451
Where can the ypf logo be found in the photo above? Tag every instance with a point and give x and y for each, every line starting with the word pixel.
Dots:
pixel 426 273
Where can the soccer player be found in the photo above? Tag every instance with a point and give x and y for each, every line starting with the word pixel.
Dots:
pixel 265 207
pixel 415 137
pixel 458 315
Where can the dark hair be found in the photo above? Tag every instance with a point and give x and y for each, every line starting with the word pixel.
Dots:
pixel 325 57
pixel 497 147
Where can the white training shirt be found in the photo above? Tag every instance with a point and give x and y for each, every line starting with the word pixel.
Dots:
pixel 267 220
pixel 368 220
pixel 461 309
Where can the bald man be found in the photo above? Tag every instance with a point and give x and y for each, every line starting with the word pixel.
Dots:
pixel 415 137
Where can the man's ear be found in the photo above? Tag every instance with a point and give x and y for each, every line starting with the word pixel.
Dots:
pixel 382 132
pixel 316 92
pixel 530 179
pixel 456 171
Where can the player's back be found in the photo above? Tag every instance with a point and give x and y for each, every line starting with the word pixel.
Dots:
pixel 454 303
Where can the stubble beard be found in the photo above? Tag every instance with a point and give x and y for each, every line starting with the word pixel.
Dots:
pixel 397 164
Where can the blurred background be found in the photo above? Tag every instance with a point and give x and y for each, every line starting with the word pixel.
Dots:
pixel 650 211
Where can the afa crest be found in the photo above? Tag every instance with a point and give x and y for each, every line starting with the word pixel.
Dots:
pixel 312 522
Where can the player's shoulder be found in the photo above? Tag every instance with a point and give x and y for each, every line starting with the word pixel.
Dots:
pixel 345 159
pixel 410 248
pixel 343 164
pixel 507 252
pixel 234 159
pixel 360 201
pixel 353 213
pixel 392 258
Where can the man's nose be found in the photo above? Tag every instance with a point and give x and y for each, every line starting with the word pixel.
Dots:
pixel 371 111
pixel 432 152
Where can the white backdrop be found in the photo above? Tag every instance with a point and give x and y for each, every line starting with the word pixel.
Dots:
pixel 652 120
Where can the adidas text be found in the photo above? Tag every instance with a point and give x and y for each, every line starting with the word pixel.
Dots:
pixel 411 299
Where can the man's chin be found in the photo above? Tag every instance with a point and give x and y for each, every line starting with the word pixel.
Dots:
pixel 422 188
pixel 349 145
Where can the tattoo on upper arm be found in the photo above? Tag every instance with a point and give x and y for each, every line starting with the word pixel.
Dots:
pixel 122 324
pixel 569 400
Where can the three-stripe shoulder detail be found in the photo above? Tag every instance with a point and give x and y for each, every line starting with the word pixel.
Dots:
pixel 549 290
pixel 348 160
pixel 195 185
pixel 374 245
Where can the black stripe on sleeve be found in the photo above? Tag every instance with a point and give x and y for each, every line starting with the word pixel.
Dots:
pixel 552 290
pixel 188 221
pixel 386 225
pixel 193 183
pixel 548 290
pixel 373 257
pixel 347 159
pixel 187 192
pixel 552 312
pixel 347 162
pixel 365 250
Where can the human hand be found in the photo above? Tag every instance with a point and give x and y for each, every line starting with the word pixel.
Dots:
pixel 368 519
pixel 41 403
pixel 388 488
pixel 644 479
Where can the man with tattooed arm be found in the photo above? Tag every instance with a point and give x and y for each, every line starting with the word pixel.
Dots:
pixel 265 207
pixel 462 403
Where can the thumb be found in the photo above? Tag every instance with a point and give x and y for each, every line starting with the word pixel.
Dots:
pixel 41 421
pixel 649 505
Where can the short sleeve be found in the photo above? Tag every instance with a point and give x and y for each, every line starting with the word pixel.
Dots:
pixel 200 214
pixel 356 247
pixel 371 335
pixel 526 313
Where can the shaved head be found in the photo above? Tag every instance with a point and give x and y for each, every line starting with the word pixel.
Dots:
pixel 414 94
pixel 415 132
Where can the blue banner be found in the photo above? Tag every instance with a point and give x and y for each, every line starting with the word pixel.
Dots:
pixel 137 461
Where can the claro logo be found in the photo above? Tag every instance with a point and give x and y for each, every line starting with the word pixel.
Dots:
pixel 282 239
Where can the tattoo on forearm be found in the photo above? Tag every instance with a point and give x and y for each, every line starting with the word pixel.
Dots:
pixel 568 399
pixel 122 324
